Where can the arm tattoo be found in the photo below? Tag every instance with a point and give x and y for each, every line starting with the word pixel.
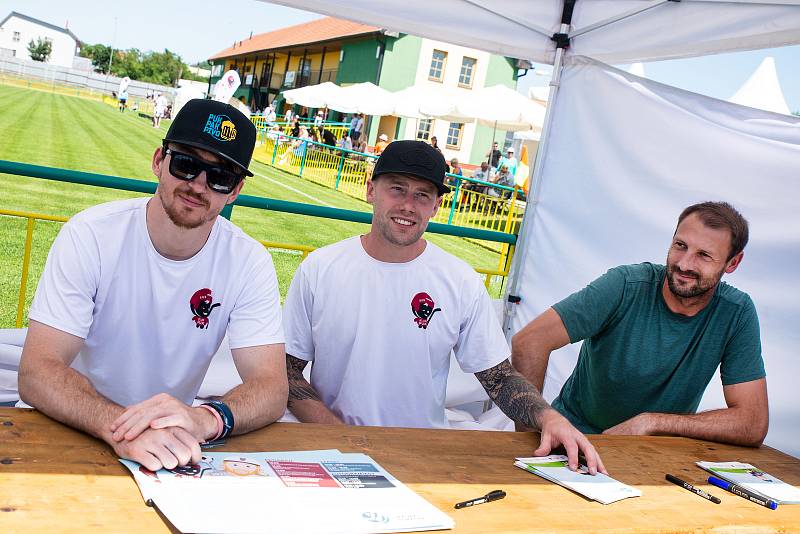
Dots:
pixel 299 388
pixel 517 397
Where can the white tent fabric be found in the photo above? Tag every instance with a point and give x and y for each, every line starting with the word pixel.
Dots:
pixel 424 101
pixel 313 96
pixel 501 107
pixel 606 200
pixel 637 69
pixel 762 90
pixel 366 98
pixel 522 28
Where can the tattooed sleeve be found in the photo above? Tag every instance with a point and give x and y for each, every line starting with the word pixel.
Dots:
pixel 517 397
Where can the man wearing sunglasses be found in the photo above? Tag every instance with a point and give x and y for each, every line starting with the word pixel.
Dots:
pixel 137 295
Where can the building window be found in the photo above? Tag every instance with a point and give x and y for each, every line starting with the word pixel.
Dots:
pixel 7 52
pixel 454 135
pixel 438 60
pixel 467 70
pixel 424 129
pixel 16 37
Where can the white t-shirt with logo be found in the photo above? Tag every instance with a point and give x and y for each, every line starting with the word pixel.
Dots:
pixel 152 324
pixel 380 334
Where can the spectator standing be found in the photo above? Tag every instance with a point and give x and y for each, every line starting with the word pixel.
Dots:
pixel 159 109
pixel 494 155
pixel 510 161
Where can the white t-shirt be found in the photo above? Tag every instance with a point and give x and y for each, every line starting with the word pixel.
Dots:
pixel 380 334
pixel 152 324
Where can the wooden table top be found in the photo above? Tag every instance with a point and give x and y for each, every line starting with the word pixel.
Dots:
pixel 55 479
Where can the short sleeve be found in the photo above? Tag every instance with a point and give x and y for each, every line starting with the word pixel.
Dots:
pixel 742 360
pixel 256 316
pixel 481 344
pixel 67 289
pixel 586 312
pixel 298 310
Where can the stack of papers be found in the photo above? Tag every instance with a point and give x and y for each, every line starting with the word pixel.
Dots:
pixel 302 491
pixel 755 480
pixel 601 488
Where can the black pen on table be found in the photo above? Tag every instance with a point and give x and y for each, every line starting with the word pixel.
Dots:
pixel 489 497
pixel 697 491
pixel 743 492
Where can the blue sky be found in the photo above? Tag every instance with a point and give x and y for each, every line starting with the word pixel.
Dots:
pixel 198 29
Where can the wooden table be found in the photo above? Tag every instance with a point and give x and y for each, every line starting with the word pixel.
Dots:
pixel 55 479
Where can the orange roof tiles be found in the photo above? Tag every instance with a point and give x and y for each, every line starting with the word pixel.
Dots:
pixel 316 31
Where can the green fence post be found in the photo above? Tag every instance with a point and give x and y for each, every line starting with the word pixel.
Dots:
pixel 303 159
pixel 275 150
pixel 339 172
pixel 454 203
pixel 227 211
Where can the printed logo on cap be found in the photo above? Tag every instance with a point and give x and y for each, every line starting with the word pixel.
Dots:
pixel 220 127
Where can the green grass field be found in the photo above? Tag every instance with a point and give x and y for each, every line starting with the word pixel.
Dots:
pixel 49 129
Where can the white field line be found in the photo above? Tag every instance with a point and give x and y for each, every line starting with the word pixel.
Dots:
pixel 290 188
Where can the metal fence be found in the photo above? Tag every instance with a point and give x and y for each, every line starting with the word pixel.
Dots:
pixel 471 203
pixel 53 75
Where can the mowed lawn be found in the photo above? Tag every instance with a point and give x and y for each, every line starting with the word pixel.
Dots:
pixel 48 129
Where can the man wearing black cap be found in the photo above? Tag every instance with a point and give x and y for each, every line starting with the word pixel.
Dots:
pixel 379 314
pixel 137 295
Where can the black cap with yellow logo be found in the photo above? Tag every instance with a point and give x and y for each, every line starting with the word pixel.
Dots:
pixel 216 127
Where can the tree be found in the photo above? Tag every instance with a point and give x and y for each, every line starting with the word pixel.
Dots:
pixel 40 50
pixel 99 54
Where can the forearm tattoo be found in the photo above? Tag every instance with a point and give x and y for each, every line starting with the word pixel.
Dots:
pixel 517 397
pixel 299 388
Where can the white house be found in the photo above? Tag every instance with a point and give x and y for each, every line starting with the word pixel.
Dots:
pixel 17 30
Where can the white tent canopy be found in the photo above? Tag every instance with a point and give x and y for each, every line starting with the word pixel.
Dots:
pixel 635 179
pixel 763 90
pixel 601 29
pixel 366 98
pixel 501 107
pixel 313 96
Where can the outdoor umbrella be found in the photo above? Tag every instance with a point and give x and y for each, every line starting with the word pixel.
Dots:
pixel 366 98
pixel 313 96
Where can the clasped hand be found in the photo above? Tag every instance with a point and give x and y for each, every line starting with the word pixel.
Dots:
pixel 161 432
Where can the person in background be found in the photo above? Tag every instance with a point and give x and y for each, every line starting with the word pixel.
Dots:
pixel 510 161
pixel 159 109
pixel 137 295
pixel 380 146
pixel 494 156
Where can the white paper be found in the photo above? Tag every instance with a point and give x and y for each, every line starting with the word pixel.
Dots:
pixel 302 491
pixel 754 479
pixel 601 488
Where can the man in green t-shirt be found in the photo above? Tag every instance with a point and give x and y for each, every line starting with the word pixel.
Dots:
pixel 653 337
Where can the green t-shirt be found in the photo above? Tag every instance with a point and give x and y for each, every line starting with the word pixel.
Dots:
pixel 638 356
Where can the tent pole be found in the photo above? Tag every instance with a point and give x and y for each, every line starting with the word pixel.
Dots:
pixel 491 147
pixel 511 296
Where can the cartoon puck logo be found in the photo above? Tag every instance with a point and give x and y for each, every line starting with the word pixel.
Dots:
pixel 201 306
pixel 423 308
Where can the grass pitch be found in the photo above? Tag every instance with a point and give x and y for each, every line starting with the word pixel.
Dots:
pixel 44 128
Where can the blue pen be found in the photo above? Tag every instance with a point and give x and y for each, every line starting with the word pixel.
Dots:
pixel 743 492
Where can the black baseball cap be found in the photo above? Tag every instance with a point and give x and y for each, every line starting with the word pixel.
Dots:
pixel 414 158
pixel 216 127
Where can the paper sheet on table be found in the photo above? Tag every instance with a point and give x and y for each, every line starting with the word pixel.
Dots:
pixel 299 491
pixel 754 479
pixel 601 488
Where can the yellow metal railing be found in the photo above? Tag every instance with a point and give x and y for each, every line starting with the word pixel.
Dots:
pixel 501 271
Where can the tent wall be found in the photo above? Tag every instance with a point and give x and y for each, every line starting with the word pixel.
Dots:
pixel 626 155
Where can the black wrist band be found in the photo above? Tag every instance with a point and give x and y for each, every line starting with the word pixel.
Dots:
pixel 226 414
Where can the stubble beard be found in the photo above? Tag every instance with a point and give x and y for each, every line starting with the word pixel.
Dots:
pixel 175 214
pixel 700 287
pixel 384 228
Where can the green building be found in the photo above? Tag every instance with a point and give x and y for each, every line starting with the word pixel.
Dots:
pixel 345 53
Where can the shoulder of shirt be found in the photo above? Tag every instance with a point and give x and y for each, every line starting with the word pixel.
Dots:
pixel 645 272
pixel 328 252
pixel 230 232
pixel 447 261
pixel 114 211
pixel 737 297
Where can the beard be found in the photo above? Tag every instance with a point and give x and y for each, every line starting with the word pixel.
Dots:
pixel 700 286
pixel 181 217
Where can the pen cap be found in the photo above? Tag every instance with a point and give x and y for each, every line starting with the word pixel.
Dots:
pixel 494 495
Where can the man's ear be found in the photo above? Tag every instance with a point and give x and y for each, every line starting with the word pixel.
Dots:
pixel 158 157
pixel 370 191
pixel 438 205
pixel 734 262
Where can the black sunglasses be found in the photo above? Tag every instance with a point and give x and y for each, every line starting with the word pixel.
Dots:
pixel 187 167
